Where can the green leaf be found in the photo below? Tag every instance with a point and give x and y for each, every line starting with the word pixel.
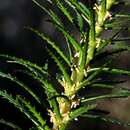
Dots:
pixel 73 41
pixel 122 39
pixel 36 72
pixel 56 109
pixel 106 84
pixel 122 15
pixel 16 103
pixel 10 98
pixel 79 7
pixel 50 90
pixel 101 85
pixel 82 58
pixel 61 67
pixel 104 43
pixel 64 10
pixel 10 124
pixel 75 44
pixel 109 53
pixel 69 50
pixel 29 65
pixel 57 22
pixel 80 21
pixel 108 119
pixel 118 94
pixel 33 111
pixel 89 79
pixel 68 36
pixel 110 70
pixel 53 16
pixel 83 9
pixel 115 121
pixel 42 7
pixel 50 42
pixel 112 82
pixel 80 111
pixel 21 84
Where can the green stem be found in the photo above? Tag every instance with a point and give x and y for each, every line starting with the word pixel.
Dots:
pixel 110 3
pixel 92 41
pixel 103 14
pixel 62 127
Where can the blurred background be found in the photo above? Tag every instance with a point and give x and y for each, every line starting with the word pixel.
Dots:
pixel 17 41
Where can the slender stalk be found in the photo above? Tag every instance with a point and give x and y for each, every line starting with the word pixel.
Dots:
pixel 110 3
pixel 103 14
pixel 92 41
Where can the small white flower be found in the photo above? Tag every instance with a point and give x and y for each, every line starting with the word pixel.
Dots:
pixel 76 119
pixel 76 55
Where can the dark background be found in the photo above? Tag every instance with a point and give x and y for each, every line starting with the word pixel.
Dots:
pixel 17 41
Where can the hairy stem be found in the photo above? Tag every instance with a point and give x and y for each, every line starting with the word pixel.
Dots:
pixel 103 14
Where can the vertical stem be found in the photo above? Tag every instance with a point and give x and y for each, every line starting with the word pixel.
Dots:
pixel 102 12
pixel 92 43
pixel 110 3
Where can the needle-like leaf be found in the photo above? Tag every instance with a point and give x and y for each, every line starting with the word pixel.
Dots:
pixel 16 103
pixel 50 42
pixel 21 84
pixel 110 70
pixel 10 124
pixel 80 111
pixel 118 94
pixel 64 10
pixel 61 67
